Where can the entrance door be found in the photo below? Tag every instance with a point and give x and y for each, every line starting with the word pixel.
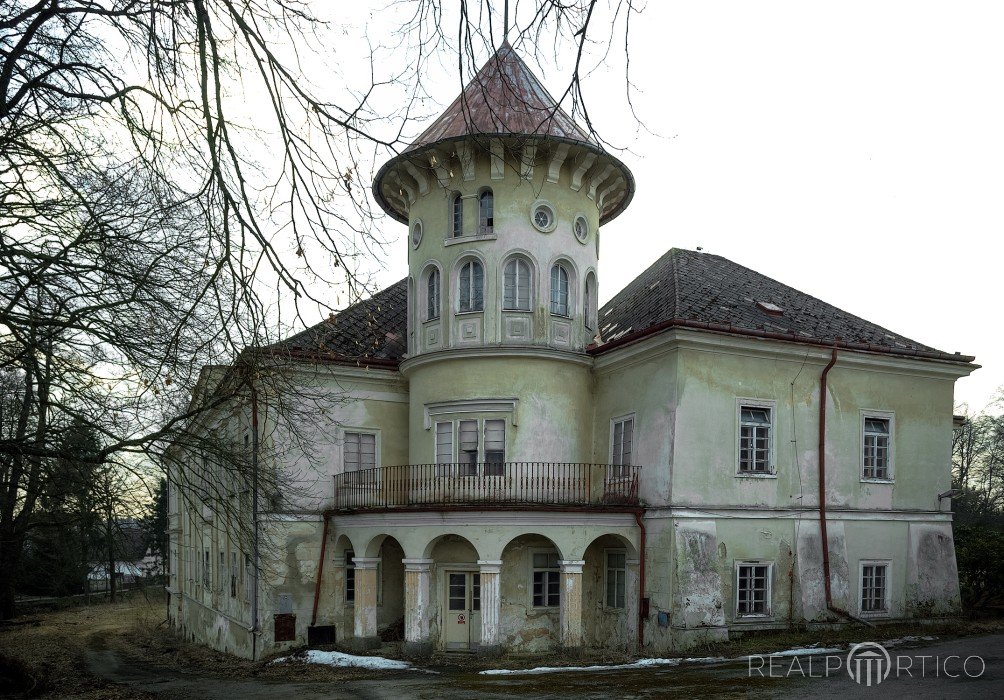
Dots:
pixel 463 609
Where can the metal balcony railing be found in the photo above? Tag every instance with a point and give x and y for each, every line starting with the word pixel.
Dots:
pixel 488 484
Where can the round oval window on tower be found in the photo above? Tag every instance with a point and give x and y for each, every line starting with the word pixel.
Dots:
pixel 542 217
pixel 416 233
pixel 580 228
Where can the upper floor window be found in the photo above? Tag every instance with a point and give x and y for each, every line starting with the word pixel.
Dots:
pixel 755 425
pixel 486 213
pixel 472 287
pixel 876 457
pixel 589 301
pixel 432 295
pixel 516 285
pixel 457 216
pixel 359 451
pixel 472 451
pixel 622 442
pixel 559 290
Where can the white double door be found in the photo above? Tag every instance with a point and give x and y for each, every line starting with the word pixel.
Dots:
pixel 463 609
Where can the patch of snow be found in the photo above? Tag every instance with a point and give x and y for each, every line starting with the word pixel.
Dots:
pixel 340 660
pixel 805 651
pixel 641 663
pixel 907 639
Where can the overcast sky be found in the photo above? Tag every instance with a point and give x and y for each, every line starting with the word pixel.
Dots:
pixel 853 150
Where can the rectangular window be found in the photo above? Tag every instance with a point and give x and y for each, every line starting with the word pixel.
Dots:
pixel 468 455
pixel 207 571
pixel 444 447
pixel 622 443
pixel 233 574
pixel 494 447
pixel 248 577
pixel 546 580
pixel 222 573
pixel 752 589
pixel 350 576
pixel 754 439
pixel 874 587
pixel 359 451
pixel 616 579
pixel 875 460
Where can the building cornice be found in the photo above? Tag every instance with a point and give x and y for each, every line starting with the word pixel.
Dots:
pixel 674 339
pixel 496 351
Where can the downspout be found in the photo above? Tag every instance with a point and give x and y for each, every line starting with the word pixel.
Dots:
pixel 320 570
pixel 255 628
pixel 822 495
pixel 641 579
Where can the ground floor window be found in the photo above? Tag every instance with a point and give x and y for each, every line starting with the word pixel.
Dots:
pixel 874 587
pixel 546 580
pixel 752 589
pixel 616 578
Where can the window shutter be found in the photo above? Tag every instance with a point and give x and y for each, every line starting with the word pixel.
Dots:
pixel 350 450
pixel 444 443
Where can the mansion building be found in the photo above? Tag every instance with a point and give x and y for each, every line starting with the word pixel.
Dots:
pixel 510 467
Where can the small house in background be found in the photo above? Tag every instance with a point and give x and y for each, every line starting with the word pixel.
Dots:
pixel 508 466
pixel 126 574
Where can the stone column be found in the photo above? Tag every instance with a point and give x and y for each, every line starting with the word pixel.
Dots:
pixel 491 606
pixel 570 617
pixel 365 603
pixel 417 607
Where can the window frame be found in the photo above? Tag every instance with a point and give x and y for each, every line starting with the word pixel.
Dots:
pixel 562 266
pixel 768 594
pixel 456 216
pixel 466 261
pixel 890 417
pixel 533 570
pixel 482 433
pixel 606 578
pixel 887 597
pixel 432 272
pixel 771 406
pixel 484 227
pixel 518 260
pixel 625 473
pixel 349 594
pixel 346 431
pixel 590 306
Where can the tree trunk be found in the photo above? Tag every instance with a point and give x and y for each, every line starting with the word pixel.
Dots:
pixel 9 554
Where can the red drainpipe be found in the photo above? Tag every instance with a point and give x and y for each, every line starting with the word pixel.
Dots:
pixel 320 571
pixel 641 579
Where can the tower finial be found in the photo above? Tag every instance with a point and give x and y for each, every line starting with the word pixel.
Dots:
pixel 505 24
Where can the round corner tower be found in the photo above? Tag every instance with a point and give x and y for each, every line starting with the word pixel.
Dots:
pixel 504 196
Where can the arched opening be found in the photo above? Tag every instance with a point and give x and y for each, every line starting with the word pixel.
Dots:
pixel 433 293
pixel 610 593
pixel 531 593
pixel 390 586
pixel 589 301
pixel 455 593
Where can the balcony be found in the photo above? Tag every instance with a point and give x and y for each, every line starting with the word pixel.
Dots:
pixel 506 485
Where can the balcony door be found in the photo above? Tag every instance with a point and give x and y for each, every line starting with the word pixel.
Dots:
pixel 463 610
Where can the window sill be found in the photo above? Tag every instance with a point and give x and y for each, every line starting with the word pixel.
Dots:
pixel 756 475
pixel 467 239
pixel 753 619
pixel 469 313
pixel 865 480
pixel 563 317
pixel 874 614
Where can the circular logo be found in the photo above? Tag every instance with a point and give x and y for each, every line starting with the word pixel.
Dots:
pixel 868 663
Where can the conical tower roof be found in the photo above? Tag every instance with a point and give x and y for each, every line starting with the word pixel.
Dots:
pixel 505 101
pixel 504 98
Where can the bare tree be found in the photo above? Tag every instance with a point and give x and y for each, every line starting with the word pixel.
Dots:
pixel 152 223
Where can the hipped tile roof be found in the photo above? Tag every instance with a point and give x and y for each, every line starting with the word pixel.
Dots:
pixel 682 289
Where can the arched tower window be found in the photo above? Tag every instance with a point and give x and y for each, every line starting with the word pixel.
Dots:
pixel 472 287
pixel 486 213
pixel 516 285
pixel 457 216
pixel 432 295
pixel 589 301
pixel 559 290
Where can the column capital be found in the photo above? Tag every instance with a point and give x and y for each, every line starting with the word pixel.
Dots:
pixel 421 565
pixel 490 566
pixel 365 562
pixel 571 566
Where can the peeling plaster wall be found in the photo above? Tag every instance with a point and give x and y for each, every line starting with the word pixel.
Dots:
pixel 932 586
pixel 525 629
pixel 698 601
